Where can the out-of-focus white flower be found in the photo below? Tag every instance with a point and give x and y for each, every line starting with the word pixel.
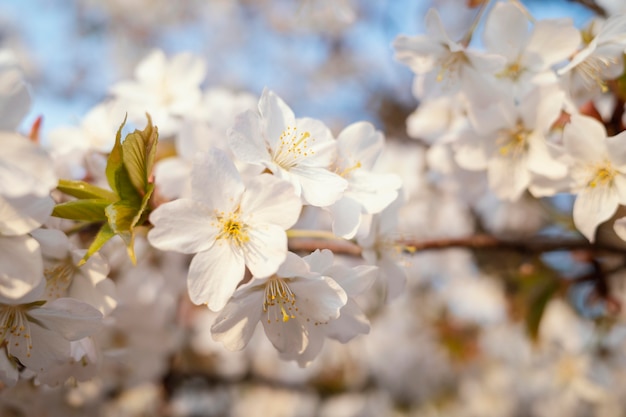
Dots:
pixel 38 333
pixel 229 225
pixel 511 141
pixel 601 58
pixel 24 168
pixel 300 151
pixel 20 215
pixel 77 149
pixel 14 97
pixel 359 146
pixel 381 249
pixel 530 54
pixel 88 283
pixel 597 166
pixel 166 89
pixel 442 60
pixel 21 266
pixel 202 129
pixel 475 299
pixel 299 307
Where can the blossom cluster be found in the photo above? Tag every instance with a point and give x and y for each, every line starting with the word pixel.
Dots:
pixel 234 223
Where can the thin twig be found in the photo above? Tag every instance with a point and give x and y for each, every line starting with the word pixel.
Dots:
pixel 480 241
pixel 593 6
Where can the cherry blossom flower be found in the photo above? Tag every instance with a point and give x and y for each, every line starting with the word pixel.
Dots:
pixel 511 141
pixel 600 59
pixel 597 166
pixel 24 168
pixel 304 302
pixel 359 146
pixel 167 89
pixel 38 333
pixel 87 283
pixel 78 151
pixel 14 96
pixel 200 130
pixel 446 64
pixel 229 224
pixel 530 54
pixel 297 150
pixel 21 266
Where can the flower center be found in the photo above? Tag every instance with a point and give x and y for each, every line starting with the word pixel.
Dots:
pixel 59 279
pixel 512 71
pixel 347 171
pixel 293 146
pixel 450 66
pixel 513 142
pixel 591 70
pixel 279 301
pixel 603 175
pixel 233 229
pixel 14 326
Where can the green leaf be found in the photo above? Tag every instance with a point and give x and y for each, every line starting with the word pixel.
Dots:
pixel 84 190
pixel 102 237
pixel 138 153
pixel 121 216
pixel 114 162
pixel 537 301
pixel 89 210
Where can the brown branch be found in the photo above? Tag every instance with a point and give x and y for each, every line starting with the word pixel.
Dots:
pixel 480 241
pixel 593 6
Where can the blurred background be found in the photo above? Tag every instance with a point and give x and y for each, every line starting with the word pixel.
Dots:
pixel 329 59
pixel 446 348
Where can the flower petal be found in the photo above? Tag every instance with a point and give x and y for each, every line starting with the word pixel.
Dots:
pixel 215 180
pixel 183 225
pixel 236 323
pixel 592 207
pixel 269 199
pixel 214 275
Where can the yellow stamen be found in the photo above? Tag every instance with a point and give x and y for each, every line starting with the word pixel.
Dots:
pixel 278 293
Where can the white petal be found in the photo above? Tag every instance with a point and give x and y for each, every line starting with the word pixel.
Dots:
pixel 288 337
pixel 71 318
pixel 350 323
pixel 214 275
pixel 506 30
pixel 620 228
pixel 320 260
pixel 24 168
pixel 346 214
pixel 266 250
pixel 355 280
pixel 215 180
pixel 68 317
pixel 54 243
pixel 236 323
pixel 584 139
pixel 48 349
pixel 360 142
pixel 277 116
pixel 245 139
pixel 320 187
pixel 551 42
pixel 184 225
pixel 616 146
pixel 171 177
pixel 21 267
pixel 318 299
pixel 592 207
pixel 509 176
pixel 269 199
pixel 20 215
